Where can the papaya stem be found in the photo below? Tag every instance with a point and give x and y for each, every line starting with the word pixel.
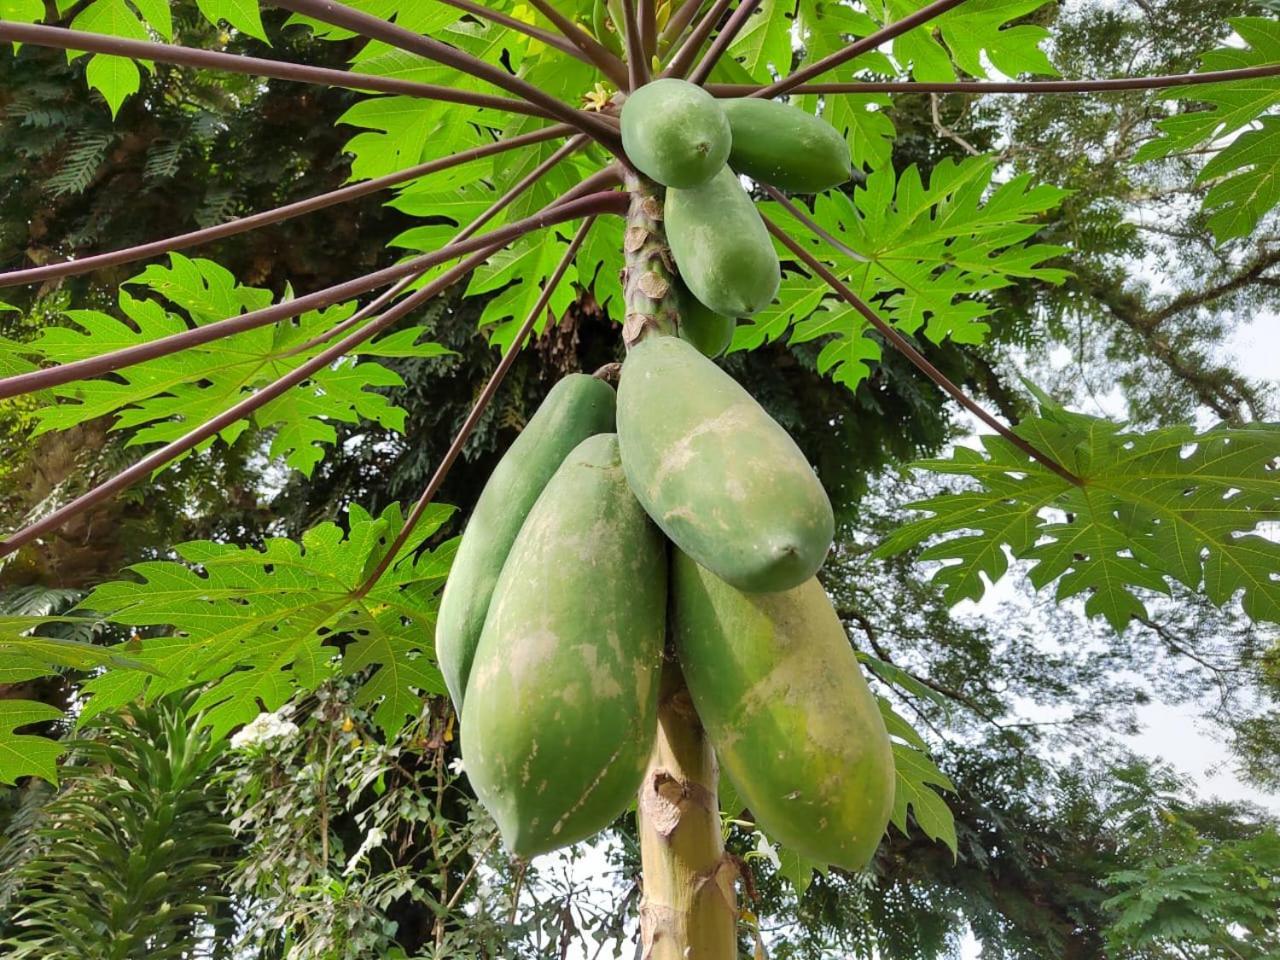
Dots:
pixel 870 42
pixel 478 408
pixel 375 28
pixel 175 342
pixel 1014 87
pixel 528 29
pixel 689 909
pixel 355 191
pixel 61 38
pixel 600 55
pixel 637 62
pixel 683 58
pixel 904 346
pixel 649 280
pixel 728 33
pixel 484 247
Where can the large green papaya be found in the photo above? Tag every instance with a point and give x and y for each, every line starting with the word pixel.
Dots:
pixel 707 330
pixel 577 407
pixel 786 146
pixel 721 247
pixel 561 706
pixel 675 132
pixel 786 707
pixel 721 478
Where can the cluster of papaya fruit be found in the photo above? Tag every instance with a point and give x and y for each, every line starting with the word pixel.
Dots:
pixel 674 516
pixel 680 136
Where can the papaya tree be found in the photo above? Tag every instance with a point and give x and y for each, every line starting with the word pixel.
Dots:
pixel 633 609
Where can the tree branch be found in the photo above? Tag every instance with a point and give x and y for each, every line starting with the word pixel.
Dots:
pixel 803 217
pixel 477 409
pixel 591 205
pixel 71 268
pixel 599 54
pixel 647 19
pixel 857 48
pixel 683 58
pixel 163 346
pixel 678 21
pixel 528 29
pixel 61 38
pixel 637 62
pixel 916 357
pixel 340 15
pixel 1251 273
pixel 516 190
pixel 728 33
pixel 1015 87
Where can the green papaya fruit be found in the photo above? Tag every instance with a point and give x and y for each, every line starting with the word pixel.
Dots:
pixel 785 146
pixel 721 478
pixel 577 407
pixel 675 132
pixel 561 706
pixel 793 723
pixel 722 250
pixel 707 330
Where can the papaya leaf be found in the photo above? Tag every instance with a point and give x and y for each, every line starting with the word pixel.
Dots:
pixel 915 779
pixel 25 656
pixel 114 77
pixel 1242 122
pixel 1154 507
pixel 922 253
pixel 256 626
pixel 160 400
pixel 241 14
pixel 25 755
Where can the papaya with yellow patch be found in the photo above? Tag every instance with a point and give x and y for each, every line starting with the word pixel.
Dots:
pixel 786 707
pixel 721 477
pixel 722 250
pixel 578 406
pixel 561 706
pixel 785 146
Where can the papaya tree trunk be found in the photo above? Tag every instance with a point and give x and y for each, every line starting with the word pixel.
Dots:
pixel 648 281
pixel 689 909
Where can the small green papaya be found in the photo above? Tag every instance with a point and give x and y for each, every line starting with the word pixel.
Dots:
pixel 785 146
pixel 675 132
pixel 577 407
pixel 707 330
pixel 722 250
pixel 793 723
pixel 721 478
pixel 561 705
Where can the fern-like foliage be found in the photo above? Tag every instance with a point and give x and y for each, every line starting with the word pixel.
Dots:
pixel 257 626
pixel 131 853
pixel 1243 115
pixel 1155 507
pixel 79 164
pixel 160 400
pixel 1222 900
